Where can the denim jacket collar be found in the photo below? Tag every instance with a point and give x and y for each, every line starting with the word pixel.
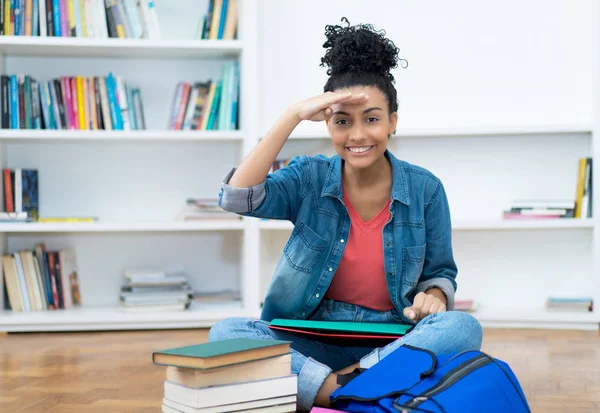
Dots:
pixel 333 183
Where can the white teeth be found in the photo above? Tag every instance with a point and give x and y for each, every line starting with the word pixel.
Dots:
pixel 360 150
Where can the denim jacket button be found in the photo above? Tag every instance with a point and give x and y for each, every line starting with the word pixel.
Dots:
pixel 317 295
pixel 330 269
pixel 342 241
pixel 389 244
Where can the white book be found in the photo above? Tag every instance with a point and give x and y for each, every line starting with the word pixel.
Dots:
pixel 22 283
pixel 42 18
pixel 275 405
pixel 101 27
pixel 233 393
pixel 90 23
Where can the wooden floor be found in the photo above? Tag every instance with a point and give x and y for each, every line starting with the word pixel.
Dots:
pixel 113 372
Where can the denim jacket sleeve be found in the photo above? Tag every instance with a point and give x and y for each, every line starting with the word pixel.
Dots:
pixel 277 197
pixel 439 269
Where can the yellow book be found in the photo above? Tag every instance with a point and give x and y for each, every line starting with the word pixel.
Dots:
pixel 80 104
pixel 231 20
pixel 209 103
pixel 8 28
pixel 68 219
pixel 216 19
pixel 82 18
pixel 72 19
pixel 580 187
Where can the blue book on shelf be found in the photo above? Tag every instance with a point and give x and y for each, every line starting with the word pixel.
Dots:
pixel 30 191
pixel 225 92
pixel 223 19
pixel 235 96
pixel 214 110
pixel 17 6
pixel 35 21
pixel 115 110
pixel 56 17
pixel 14 102
pixel 132 119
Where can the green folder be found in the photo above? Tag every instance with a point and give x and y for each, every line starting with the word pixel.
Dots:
pixel 342 329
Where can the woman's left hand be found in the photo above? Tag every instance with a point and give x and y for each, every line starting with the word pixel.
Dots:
pixel 425 304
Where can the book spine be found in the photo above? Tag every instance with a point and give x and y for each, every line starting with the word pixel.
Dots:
pixel 42 14
pixel 22 115
pixel 106 115
pixel 14 102
pixel 56 17
pixel 64 19
pixel 35 22
pixel 4 83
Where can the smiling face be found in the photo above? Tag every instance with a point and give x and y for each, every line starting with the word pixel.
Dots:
pixel 360 132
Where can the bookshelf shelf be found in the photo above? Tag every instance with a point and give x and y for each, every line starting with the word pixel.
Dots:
pixel 56 136
pixel 36 227
pixel 473 225
pixel 118 48
pixel 480 131
pixel 112 318
pixel 537 318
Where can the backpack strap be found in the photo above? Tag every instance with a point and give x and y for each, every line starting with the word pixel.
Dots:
pixel 343 379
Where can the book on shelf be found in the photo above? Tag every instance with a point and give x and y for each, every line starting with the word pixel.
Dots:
pixel 232 375
pixel 41 279
pixel 584 304
pixel 219 22
pixel 71 102
pixel 207 105
pixel 200 209
pixel 21 194
pixel 579 207
pixel 155 290
pixel 100 19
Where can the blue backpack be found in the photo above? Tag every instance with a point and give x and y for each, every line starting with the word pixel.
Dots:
pixel 411 379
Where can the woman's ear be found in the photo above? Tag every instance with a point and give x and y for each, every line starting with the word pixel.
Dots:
pixel 393 123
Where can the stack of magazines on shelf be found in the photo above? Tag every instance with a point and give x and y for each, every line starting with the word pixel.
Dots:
pixel 155 290
pixel 540 209
pixel 197 209
pixel 583 304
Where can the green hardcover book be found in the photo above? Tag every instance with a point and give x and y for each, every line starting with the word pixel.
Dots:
pixel 220 353
pixel 343 329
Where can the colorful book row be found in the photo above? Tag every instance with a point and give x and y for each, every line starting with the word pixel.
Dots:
pixel 135 19
pixel 41 280
pixel 70 102
pixel 210 105
pixel 219 21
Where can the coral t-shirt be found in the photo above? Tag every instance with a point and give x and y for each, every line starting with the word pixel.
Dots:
pixel 360 277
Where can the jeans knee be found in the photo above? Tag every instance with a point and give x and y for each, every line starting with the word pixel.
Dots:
pixel 472 332
pixel 225 329
pixel 465 330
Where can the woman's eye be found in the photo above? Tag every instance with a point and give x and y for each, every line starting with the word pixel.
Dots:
pixel 341 122
pixel 372 119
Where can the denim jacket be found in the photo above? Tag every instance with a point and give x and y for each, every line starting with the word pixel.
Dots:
pixel 417 245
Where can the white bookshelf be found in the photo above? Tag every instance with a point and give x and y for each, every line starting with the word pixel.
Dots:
pixel 486 154
pixel 118 48
pixel 82 136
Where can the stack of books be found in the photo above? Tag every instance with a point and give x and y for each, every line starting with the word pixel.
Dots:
pixel 584 304
pixel 155 290
pixel 540 209
pixel 237 375
pixel 204 208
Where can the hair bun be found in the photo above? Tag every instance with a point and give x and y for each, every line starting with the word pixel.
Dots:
pixel 359 49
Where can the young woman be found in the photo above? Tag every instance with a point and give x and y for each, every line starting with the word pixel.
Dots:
pixel 372 234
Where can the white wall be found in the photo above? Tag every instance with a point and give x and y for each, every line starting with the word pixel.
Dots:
pixel 470 62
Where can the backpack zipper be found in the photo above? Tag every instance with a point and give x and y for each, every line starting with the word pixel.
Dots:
pixel 448 380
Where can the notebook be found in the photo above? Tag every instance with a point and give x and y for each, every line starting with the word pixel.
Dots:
pixel 221 353
pixel 342 329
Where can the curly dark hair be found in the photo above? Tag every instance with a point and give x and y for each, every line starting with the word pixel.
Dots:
pixel 360 56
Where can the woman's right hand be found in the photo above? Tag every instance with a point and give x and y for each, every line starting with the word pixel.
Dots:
pixel 318 108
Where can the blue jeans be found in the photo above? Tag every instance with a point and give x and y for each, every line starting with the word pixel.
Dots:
pixel 313 359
